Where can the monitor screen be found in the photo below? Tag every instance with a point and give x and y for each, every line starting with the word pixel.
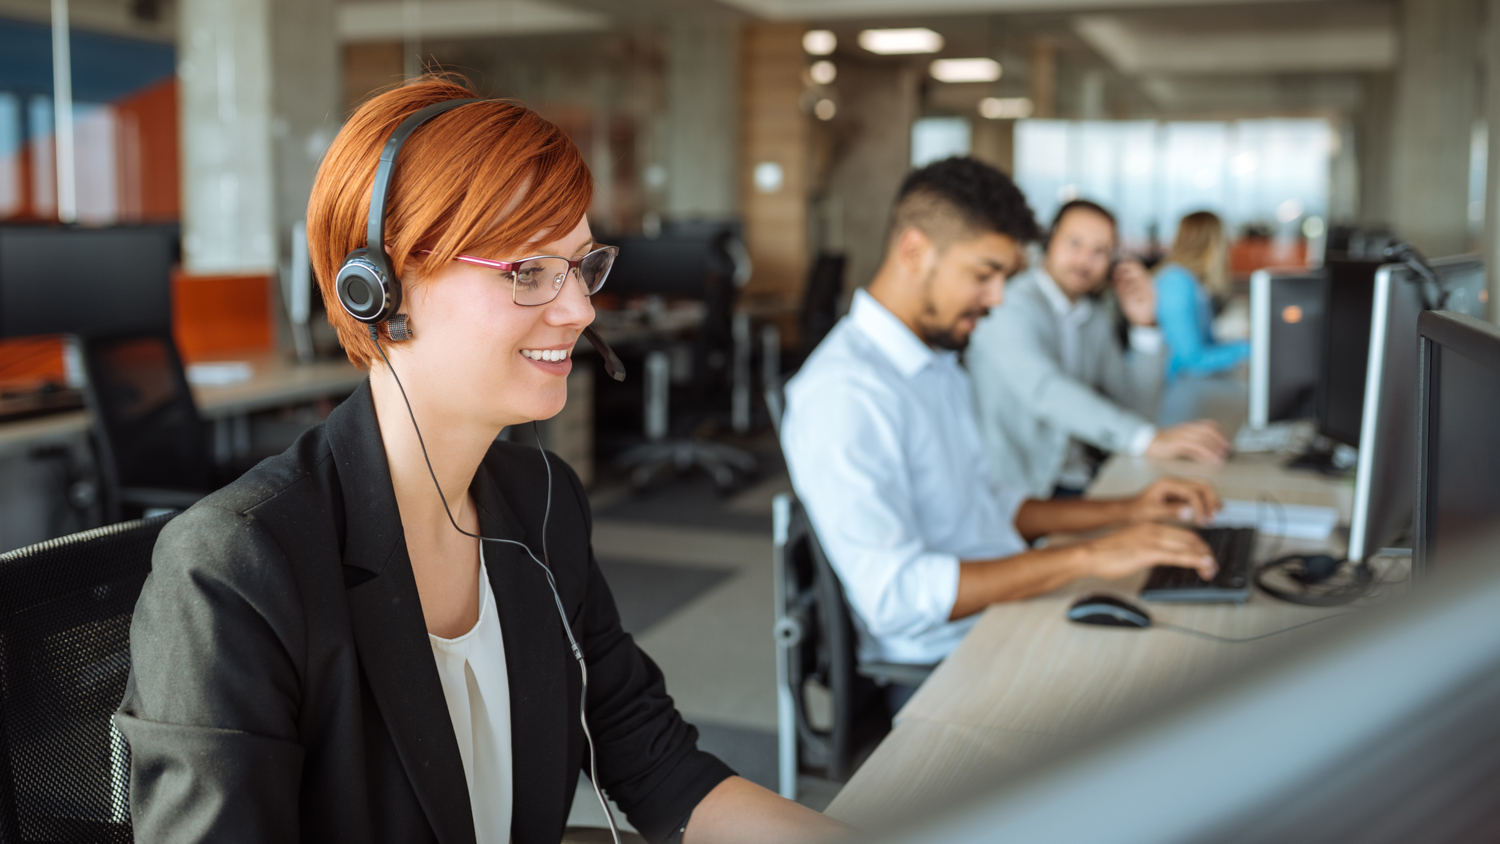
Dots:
pixel 56 280
pixel 1286 332
pixel 1459 470
pixel 1346 349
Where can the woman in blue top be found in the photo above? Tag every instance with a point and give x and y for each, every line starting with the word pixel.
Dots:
pixel 1193 272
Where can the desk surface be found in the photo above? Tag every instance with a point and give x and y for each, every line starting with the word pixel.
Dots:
pixel 276 382
pixel 1025 682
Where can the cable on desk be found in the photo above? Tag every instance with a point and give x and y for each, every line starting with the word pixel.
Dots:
pixel 1217 638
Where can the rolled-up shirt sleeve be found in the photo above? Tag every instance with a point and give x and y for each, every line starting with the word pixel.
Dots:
pixel 843 444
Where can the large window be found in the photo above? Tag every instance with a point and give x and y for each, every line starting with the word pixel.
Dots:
pixel 1270 175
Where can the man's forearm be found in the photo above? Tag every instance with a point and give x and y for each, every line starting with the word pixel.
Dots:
pixel 1039 518
pixel 985 582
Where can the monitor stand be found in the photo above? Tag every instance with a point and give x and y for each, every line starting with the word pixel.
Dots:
pixel 1326 457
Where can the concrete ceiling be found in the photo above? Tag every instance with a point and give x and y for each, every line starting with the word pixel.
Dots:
pixel 1139 46
pixel 834 9
pixel 393 20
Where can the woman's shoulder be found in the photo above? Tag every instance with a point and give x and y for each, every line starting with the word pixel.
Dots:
pixel 1175 278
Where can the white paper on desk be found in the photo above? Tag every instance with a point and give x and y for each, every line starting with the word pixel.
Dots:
pixel 219 373
pixel 1294 521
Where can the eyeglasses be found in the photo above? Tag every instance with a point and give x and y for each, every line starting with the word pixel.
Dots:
pixel 537 280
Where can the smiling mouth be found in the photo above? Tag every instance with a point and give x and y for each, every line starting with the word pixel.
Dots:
pixel 548 355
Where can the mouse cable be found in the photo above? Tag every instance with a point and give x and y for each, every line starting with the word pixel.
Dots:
pixel 1217 638
pixel 1361 584
pixel 609 815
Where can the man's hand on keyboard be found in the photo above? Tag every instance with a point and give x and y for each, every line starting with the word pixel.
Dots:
pixel 1142 546
pixel 1176 500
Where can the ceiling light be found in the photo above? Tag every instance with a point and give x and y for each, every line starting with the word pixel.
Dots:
pixel 1005 108
pixel 819 42
pixel 826 109
pixel 965 70
pixel 893 42
pixel 824 72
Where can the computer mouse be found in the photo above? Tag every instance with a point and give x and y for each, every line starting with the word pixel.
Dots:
pixel 1108 610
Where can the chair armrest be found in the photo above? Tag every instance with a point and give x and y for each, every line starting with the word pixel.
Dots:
pixel 899 673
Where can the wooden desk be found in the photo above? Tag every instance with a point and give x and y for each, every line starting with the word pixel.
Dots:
pixel 1025 682
pixel 276 382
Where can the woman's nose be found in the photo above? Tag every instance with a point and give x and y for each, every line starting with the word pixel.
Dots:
pixel 571 307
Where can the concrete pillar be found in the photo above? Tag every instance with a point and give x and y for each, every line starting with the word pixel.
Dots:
pixel 702 125
pixel 259 82
pixel 228 193
pixel 1491 54
pixel 1436 103
pixel 1372 148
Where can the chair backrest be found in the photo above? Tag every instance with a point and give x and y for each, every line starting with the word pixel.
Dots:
pixel 65 610
pixel 820 302
pixel 146 425
pixel 825 653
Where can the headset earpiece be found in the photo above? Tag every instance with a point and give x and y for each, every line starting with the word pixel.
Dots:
pixel 367 289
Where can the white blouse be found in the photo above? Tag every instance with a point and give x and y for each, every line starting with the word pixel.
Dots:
pixel 477 688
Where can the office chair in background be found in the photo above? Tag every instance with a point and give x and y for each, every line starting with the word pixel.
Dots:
pixel 152 446
pixel 816 643
pixel 65 611
pixel 702 264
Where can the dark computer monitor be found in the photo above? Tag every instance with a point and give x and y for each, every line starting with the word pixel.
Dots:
pixel 56 280
pixel 1385 479
pixel 1458 435
pixel 1344 357
pixel 1286 337
pixel 674 264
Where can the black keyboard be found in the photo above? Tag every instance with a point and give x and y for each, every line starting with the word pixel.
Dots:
pixel 1232 547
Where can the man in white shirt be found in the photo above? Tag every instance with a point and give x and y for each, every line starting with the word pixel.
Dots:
pixel 1050 378
pixel 884 451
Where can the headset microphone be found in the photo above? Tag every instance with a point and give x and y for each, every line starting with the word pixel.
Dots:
pixel 612 366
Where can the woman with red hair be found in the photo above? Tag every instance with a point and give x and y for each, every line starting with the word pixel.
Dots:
pixel 396 630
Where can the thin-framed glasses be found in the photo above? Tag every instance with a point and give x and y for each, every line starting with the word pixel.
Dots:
pixel 537 280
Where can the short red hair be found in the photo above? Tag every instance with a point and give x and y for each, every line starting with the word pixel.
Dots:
pixel 455 176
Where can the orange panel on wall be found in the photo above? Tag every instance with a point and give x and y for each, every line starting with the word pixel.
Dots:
pixel 215 316
pixel 148 122
pixel 26 363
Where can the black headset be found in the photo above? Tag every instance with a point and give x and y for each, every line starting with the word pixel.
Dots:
pixel 367 287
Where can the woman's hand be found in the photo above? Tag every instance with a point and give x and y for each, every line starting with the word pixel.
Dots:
pixel 1175 500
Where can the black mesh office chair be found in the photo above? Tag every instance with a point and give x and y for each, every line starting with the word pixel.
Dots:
pixel 816 643
pixel 820 301
pixel 152 446
pixel 65 610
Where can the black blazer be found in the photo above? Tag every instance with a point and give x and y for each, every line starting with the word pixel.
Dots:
pixel 283 687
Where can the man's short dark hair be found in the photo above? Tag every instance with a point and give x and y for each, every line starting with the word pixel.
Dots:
pixel 959 197
pixel 1080 205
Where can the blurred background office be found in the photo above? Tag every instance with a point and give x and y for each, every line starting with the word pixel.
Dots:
pixel 745 154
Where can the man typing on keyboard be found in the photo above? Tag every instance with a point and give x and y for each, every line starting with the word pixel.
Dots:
pixel 885 452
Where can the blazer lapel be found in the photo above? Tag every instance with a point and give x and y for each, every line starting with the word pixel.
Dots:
pixel 390 633
pixel 539 666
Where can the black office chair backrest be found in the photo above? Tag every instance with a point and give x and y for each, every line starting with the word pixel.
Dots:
pixel 820 302
pixel 146 426
pixel 65 610
pixel 827 654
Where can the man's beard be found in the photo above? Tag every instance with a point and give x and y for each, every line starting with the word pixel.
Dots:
pixel 944 336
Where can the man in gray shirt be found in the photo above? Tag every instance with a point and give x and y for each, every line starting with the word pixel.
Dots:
pixel 1050 379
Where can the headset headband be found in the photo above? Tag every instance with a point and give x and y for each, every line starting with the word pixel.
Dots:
pixel 375 237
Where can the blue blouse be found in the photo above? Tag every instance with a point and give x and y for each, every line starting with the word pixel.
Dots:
pixel 1185 315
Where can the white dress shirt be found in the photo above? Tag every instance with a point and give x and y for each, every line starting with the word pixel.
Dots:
pixel 885 453
pixel 477 689
pixel 1078 469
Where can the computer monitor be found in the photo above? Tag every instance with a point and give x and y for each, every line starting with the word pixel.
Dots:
pixel 1344 358
pixel 1385 475
pixel 1458 450
pixel 674 264
pixel 56 280
pixel 1286 336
